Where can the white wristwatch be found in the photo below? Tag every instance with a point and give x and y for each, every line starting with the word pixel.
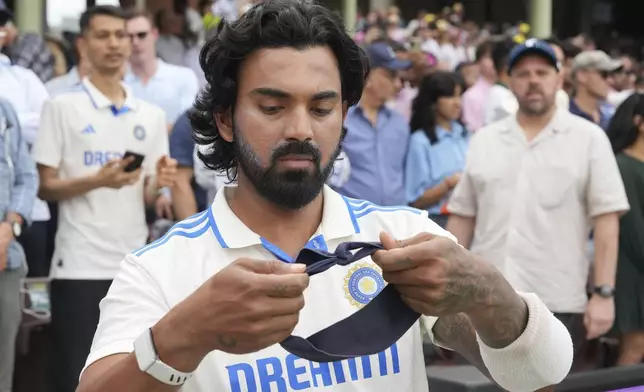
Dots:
pixel 149 362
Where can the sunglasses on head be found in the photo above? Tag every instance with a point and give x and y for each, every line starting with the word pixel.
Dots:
pixel 141 35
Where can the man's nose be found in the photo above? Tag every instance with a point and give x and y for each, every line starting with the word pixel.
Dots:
pixel 299 125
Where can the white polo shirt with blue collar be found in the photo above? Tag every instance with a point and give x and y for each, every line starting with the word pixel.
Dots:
pixel 172 88
pixel 160 275
pixel 80 131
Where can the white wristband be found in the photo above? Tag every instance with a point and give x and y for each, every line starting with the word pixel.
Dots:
pixel 540 357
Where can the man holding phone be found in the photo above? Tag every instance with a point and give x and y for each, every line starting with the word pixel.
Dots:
pixel 103 155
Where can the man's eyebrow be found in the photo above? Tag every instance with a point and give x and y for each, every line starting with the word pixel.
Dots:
pixel 271 92
pixel 325 95
pixel 276 93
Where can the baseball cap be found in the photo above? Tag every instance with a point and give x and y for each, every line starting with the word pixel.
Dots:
pixel 5 13
pixel 536 47
pixel 595 60
pixel 381 55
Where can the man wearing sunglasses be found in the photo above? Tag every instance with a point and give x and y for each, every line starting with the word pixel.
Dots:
pixel 171 87
pixel 590 72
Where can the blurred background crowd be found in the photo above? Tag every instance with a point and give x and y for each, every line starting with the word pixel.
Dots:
pixel 439 75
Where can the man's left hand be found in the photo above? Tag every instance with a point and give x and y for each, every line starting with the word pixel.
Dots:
pixel 436 276
pixel 166 171
pixel 599 317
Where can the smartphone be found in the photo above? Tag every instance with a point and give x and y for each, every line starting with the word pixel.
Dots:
pixel 136 163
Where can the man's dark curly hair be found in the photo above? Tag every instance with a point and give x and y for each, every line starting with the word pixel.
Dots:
pixel 272 24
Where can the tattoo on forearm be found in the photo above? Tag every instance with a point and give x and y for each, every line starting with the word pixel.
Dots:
pixel 227 342
pixel 497 313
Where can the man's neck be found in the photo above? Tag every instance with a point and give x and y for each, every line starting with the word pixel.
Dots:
pixel 83 69
pixel 290 230
pixel 109 85
pixel 490 79
pixel 533 125
pixel 587 103
pixel 145 69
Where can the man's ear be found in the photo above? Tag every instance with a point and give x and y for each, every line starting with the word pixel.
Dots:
pixel 224 123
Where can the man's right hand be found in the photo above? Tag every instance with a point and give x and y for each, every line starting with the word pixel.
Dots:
pixel 113 174
pixel 246 307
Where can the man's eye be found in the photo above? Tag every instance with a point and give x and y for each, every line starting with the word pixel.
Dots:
pixel 321 112
pixel 270 109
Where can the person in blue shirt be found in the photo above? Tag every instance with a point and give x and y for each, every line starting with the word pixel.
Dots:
pixel 18 189
pixel 377 136
pixel 438 144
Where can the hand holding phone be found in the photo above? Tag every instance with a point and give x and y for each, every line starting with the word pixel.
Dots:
pixel 114 175
pixel 135 163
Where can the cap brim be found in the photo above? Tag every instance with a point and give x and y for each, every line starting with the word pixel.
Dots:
pixel 534 51
pixel 398 65
pixel 611 66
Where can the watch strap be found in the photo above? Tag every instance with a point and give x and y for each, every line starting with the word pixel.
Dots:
pixel 148 360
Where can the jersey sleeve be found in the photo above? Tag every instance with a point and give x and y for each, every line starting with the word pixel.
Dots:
pixel 606 192
pixel 49 147
pixel 133 303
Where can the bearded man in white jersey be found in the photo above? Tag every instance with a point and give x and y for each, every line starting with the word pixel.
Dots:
pixel 217 303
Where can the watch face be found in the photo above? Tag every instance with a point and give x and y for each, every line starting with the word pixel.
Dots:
pixel 17 229
pixel 605 291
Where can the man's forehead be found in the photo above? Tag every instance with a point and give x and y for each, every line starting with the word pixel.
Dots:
pixel 138 22
pixel 291 70
pixel 106 22
pixel 532 61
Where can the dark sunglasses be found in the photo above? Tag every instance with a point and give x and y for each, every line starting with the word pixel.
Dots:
pixel 141 36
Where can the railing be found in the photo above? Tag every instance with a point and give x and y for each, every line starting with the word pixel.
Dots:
pixel 468 379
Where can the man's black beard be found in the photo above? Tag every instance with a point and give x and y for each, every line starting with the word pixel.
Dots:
pixel 287 189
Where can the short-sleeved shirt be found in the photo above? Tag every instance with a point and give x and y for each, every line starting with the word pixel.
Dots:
pixel 534 201
pixel 172 88
pixel 80 131
pixel 429 164
pixel 159 276
pixel 377 154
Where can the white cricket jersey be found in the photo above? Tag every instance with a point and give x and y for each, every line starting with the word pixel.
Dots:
pixel 80 131
pixel 157 277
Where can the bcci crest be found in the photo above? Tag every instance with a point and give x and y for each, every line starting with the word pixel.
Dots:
pixel 362 283
pixel 139 132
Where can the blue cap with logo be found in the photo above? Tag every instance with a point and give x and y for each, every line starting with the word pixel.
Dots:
pixel 535 47
pixel 382 55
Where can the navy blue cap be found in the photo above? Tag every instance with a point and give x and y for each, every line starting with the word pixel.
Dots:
pixel 535 47
pixel 382 55
pixel 5 13
pixel 372 329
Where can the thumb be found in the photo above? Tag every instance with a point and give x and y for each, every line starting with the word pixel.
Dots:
pixel 112 163
pixel 388 242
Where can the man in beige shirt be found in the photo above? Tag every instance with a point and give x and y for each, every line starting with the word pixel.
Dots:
pixel 533 186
